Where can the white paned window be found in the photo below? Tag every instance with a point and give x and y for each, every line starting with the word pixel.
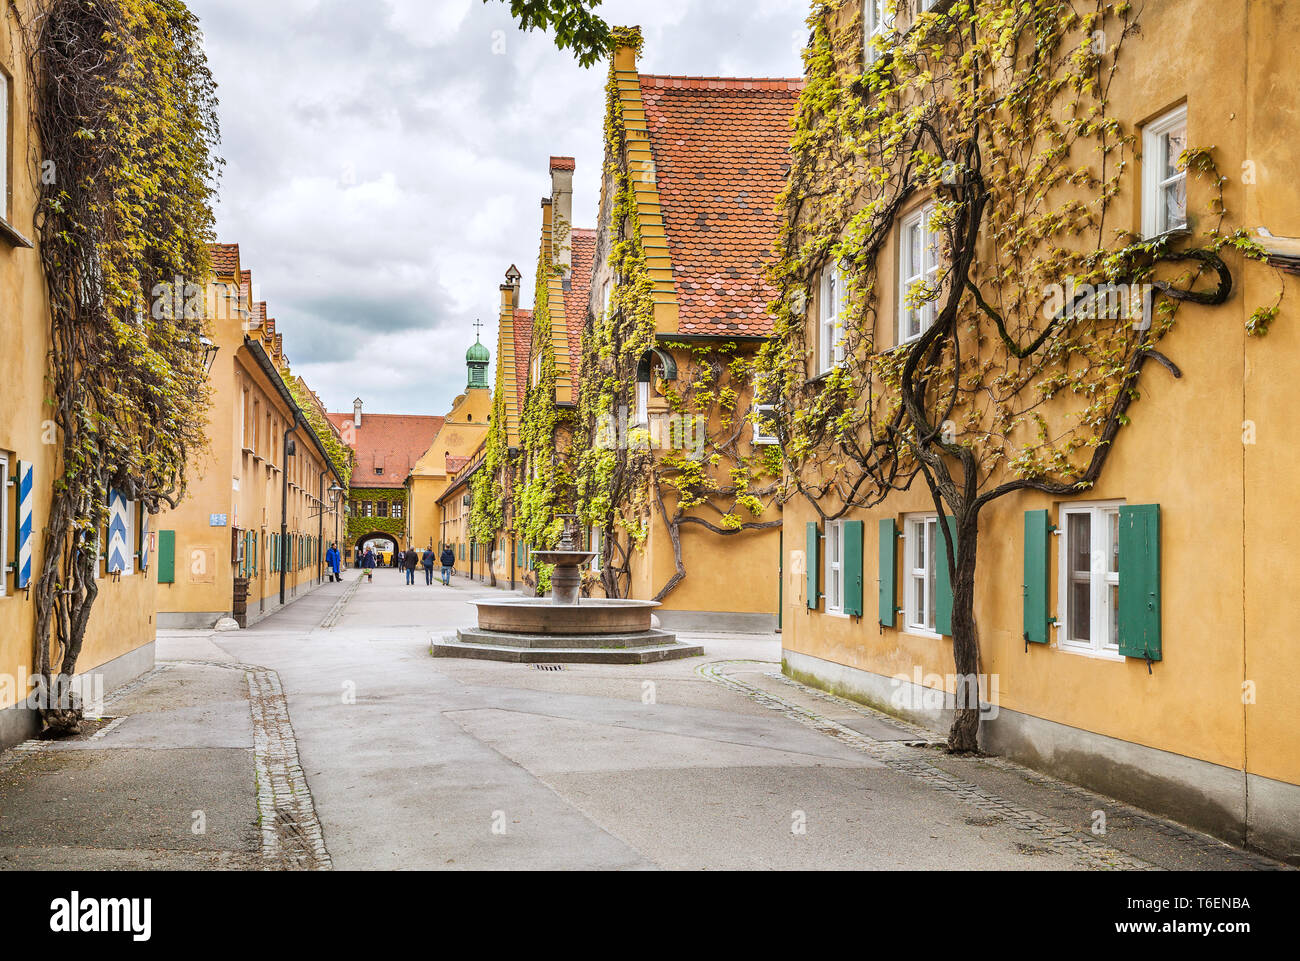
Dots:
pixel 765 425
pixel 922 550
pixel 642 402
pixel 835 567
pixel 1164 182
pixel 1089 579
pixel 918 259
pixel 876 22
pixel 830 336
pixel 597 548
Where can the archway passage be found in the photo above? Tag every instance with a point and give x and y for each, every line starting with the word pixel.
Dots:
pixel 383 544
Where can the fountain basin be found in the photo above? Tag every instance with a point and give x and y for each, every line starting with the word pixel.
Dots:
pixel 542 617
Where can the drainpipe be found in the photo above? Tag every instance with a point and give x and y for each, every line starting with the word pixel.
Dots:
pixel 320 531
pixel 284 504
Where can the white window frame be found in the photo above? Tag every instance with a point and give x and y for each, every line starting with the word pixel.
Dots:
pixel 1154 138
pixel 876 22
pixel 919 610
pixel 910 274
pixel 830 321
pixel 5 533
pixel 1100 579
pixel 642 404
pixel 594 539
pixel 833 555
pixel 762 439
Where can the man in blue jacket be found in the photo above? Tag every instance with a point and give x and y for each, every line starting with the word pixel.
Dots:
pixel 334 562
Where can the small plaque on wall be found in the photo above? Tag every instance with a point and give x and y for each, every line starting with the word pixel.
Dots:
pixel 217 520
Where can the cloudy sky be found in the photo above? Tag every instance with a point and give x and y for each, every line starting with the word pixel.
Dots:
pixel 385 160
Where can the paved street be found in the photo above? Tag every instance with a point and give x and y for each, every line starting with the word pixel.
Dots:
pixel 328 737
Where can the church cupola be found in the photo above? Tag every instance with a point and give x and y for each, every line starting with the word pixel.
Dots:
pixel 477 360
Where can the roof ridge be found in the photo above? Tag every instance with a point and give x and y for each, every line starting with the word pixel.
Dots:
pixel 776 83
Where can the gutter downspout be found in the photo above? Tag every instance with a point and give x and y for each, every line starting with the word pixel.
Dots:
pixel 284 505
pixel 320 531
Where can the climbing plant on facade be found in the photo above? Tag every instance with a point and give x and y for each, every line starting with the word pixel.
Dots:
pixel 695 469
pixel 544 487
pixel 490 486
pixel 1011 365
pixel 125 114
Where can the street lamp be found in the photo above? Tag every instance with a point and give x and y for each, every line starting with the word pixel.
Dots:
pixel 209 353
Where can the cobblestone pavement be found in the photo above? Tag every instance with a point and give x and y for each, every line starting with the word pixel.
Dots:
pixel 194 766
pixel 917 758
pixel 326 736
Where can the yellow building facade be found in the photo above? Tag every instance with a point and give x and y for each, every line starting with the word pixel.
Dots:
pixel 692 169
pixel 265 502
pixel 119 642
pixel 1205 731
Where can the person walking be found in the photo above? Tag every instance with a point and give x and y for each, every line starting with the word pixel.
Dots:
pixel 409 561
pixel 368 562
pixel 333 561
pixel 428 559
pixel 448 564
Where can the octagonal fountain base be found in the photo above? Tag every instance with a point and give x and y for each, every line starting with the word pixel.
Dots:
pixel 538 631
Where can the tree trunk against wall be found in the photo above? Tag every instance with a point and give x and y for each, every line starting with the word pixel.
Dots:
pixel 964 736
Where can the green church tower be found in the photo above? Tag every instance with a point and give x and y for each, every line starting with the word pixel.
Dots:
pixel 477 359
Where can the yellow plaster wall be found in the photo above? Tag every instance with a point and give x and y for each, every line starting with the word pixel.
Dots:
pixel 1228 511
pixel 122 618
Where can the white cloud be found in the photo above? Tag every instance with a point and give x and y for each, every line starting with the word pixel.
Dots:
pixel 385 161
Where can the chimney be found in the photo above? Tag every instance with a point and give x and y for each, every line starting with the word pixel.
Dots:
pixel 562 213
pixel 356 412
pixel 627 48
pixel 510 290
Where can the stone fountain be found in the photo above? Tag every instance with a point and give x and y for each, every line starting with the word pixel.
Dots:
pixel 567 628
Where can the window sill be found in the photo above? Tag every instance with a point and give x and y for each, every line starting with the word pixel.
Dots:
pixel 916 631
pixel 12 237
pixel 1178 233
pixel 1093 653
pixel 838 615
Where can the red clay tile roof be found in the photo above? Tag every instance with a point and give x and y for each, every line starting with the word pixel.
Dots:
pixel 583 243
pixel 523 353
pixel 394 442
pixel 225 259
pixel 246 285
pixel 456 464
pixel 721 153
pixel 563 163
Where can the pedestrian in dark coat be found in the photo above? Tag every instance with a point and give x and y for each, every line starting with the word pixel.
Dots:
pixel 410 561
pixel 428 560
pixel 448 564
pixel 369 564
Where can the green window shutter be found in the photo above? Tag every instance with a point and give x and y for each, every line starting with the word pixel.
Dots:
pixel 1139 581
pixel 814 552
pixel 852 546
pixel 166 557
pixel 1038 534
pixel 943 581
pixel 888 573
